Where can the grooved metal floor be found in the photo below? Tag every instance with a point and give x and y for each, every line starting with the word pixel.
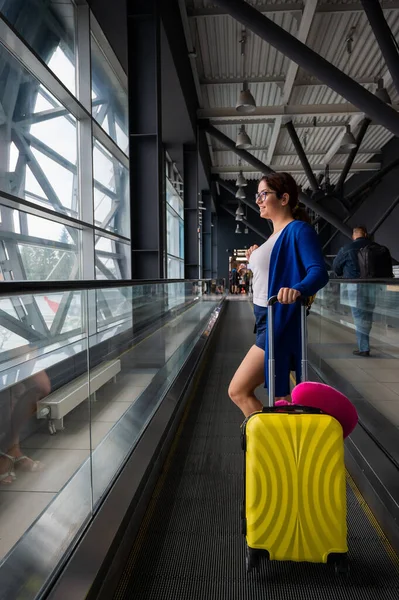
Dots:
pixel 190 546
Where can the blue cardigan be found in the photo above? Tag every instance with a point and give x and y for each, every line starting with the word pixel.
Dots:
pixel 296 262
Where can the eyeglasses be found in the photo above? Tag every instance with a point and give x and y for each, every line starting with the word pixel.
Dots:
pixel 263 195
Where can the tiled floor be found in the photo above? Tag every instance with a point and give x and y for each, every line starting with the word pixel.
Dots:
pixel 62 454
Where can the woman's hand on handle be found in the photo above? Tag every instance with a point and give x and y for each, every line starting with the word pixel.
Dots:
pixel 250 250
pixel 288 296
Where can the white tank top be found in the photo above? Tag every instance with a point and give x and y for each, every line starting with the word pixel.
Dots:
pixel 259 263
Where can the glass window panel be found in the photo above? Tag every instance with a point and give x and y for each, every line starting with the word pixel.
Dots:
pixel 181 239
pixel 49 28
pixel 172 230
pixel 48 145
pixel 112 259
pixel 59 134
pixel 111 196
pixel 38 249
pixel 61 181
pixel 173 268
pixel 110 105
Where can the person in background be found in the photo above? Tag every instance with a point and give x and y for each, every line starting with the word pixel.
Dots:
pixel 234 281
pixel 288 265
pixel 361 296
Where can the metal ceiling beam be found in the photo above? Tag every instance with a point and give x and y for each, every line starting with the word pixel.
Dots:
pixel 268 8
pixel 257 164
pixel 229 188
pixel 302 36
pixel 190 48
pixel 279 79
pixel 352 155
pixel 384 216
pixel 302 157
pixel 384 37
pixel 298 110
pixel 315 64
pixel 270 121
pixel 313 152
pixel 244 222
pixel 334 168
pixel 374 179
pixel 226 185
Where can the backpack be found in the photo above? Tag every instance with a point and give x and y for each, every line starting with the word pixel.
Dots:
pixel 375 262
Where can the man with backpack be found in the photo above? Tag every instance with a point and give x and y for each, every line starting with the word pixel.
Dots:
pixel 363 259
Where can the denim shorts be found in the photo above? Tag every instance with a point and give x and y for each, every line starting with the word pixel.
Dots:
pixel 260 313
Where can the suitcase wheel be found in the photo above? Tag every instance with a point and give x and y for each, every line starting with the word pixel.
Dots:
pixel 342 567
pixel 252 559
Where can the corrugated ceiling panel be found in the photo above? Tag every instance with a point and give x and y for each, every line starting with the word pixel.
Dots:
pixel 218 42
pixel 219 56
pixel 328 36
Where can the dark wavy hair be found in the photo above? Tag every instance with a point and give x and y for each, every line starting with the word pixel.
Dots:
pixel 284 183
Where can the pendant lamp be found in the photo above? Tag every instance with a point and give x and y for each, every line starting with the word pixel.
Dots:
pixel 243 140
pixel 246 102
pixel 240 194
pixel 240 211
pixel 238 230
pixel 241 181
pixel 348 141
pixel 381 92
pixel 246 230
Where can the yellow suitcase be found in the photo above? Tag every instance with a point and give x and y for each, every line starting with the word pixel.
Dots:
pixel 295 486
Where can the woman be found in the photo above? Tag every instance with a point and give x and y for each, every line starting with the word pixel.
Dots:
pixel 289 264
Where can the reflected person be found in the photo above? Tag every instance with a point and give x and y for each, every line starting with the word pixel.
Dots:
pixel 362 297
pixel 17 405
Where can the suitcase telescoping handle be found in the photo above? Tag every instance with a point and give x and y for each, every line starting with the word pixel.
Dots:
pixel 304 344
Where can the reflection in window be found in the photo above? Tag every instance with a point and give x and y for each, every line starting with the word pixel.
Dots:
pixel 49 28
pixel 111 192
pixel 109 99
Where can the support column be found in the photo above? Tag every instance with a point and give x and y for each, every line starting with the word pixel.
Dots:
pixel 214 237
pixel 207 236
pixel 146 153
pixel 192 266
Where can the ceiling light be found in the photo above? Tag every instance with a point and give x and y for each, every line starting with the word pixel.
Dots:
pixel 240 194
pixel 240 211
pixel 243 140
pixel 241 181
pixel 246 102
pixel 381 92
pixel 239 218
pixel 348 141
pixel 238 230
pixel 246 230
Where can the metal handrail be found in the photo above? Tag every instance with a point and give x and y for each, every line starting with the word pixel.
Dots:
pixel 392 281
pixel 12 288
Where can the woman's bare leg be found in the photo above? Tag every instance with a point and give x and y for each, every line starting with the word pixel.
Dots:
pixel 249 375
